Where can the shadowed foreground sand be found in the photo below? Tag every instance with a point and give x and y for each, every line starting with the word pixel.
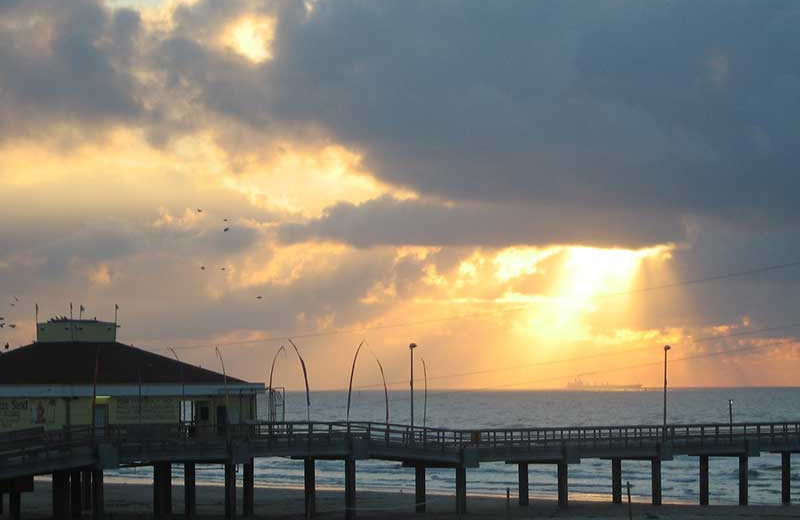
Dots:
pixel 132 500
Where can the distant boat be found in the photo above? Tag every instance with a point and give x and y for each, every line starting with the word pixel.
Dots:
pixel 578 384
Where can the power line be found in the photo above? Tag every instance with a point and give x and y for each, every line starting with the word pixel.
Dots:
pixel 605 371
pixel 591 356
pixel 355 330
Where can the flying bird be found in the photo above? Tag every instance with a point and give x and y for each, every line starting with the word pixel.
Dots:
pixel 226 229
pixel 11 304
pixel 221 268
pixel 259 297
pixel 13 325
pixel 202 268
pixel 2 325
pixel 16 299
pixel 6 346
pixel 199 210
pixel 224 220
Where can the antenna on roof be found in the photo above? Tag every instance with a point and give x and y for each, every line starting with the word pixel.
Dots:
pixel 116 309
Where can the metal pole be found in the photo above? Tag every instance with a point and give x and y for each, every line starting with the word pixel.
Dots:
pixel 183 384
pixel 730 411
pixel 666 348
pixel 425 402
pixel 411 348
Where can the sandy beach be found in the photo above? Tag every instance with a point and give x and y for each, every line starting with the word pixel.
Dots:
pixel 133 500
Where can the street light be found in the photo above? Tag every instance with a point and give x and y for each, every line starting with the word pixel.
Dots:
pixel 411 348
pixel 730 411
pixel 666 348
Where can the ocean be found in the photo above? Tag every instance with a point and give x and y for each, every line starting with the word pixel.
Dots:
pixel 591 479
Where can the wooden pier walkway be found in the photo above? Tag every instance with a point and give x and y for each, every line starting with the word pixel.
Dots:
pixel 77 457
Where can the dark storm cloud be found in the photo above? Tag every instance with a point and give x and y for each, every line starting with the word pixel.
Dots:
pixel 390 221
pixel 678 105
pixel 66 63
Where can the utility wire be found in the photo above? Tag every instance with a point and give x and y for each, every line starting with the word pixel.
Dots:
pixel 355 330
pixel 600 372
pixel 605 354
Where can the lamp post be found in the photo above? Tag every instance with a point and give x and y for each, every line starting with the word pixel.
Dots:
pixel 666 349
pixel 730 412
pixel 411 348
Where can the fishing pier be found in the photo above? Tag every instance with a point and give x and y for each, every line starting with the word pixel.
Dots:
pixel 77 457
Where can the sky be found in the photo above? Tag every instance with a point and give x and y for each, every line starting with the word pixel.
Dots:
pixel 523 189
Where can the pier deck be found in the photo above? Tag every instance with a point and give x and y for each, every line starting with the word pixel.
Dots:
pixel 83 451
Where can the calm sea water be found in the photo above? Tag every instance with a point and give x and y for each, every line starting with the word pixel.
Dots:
pixel 589 479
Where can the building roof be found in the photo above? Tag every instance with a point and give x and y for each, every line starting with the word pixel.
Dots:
pixel 73 363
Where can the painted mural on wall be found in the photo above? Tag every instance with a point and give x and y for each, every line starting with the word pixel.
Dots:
pixel 27 413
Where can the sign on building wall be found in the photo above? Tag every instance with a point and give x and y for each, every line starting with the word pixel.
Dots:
pixel 147 410
pixel 27 413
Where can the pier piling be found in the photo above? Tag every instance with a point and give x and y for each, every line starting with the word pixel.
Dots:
pixel 461 490
pixel 703 480
pixel 75 494
pixel 60 487
pixel 786 477
pixel 86 482
pixel 189 490
pixel 98 498
pixel 310 486
pixel 419 495
pixel 230 491
pixel 655 470
pixel 563 484
pixel 15 505
pixel 743 468
pixel 248 482
pixel 523 484
pixel 616 481
pixel 350 488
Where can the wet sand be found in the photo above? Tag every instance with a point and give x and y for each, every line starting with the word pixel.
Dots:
pixel 133 500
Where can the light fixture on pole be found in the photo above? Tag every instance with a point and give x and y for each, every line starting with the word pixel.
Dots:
pixel 411 348
pixel 730 412
pixel 666 349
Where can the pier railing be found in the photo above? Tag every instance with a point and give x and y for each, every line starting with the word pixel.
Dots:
pixel 288 434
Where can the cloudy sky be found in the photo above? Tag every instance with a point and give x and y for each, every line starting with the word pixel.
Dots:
pixel 511 185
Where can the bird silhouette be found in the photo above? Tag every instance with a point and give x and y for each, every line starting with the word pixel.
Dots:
pixel 16 299
pixel 199 210
pixel 259 297
pixel 224 220
pixel 11 304
pixel 202 268
pixel 13 325
pixel 226 229
pixel 2 325
pixel 221 268
pixel 6 346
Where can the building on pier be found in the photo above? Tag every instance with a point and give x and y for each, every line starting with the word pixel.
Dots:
pixel 76 373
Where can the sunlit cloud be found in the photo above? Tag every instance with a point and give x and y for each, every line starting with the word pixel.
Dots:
pixel 251 36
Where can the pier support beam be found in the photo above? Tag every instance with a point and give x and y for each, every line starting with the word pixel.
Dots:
pixel 461 490
pixel 703 480
pixel 98 499
pixel 162 489
pixel 523 483
pixel 563 484
pixel 75 494
pixel 350 488
pixel 616 481
pixel 310 484
pixel 419 480
pixel 189 490
pixel 743 467
pixel 248 480
pixel 230 491
pixel 86 482
pixel 15 505
pixel 60 495
pixel 786 477
pixel 655 470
